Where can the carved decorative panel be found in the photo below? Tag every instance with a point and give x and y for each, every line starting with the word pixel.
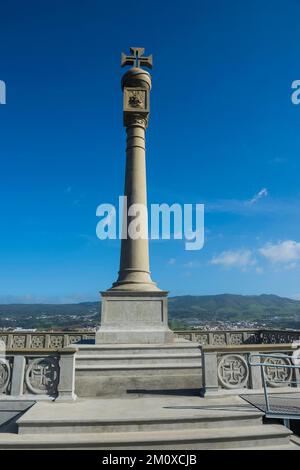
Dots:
pixel 5 375
pixel 74 339
pixel 186 336
pixel 136 99
pixel 19 341
pixel 42 376
pixel 236 338
pixel 278 376
pixel 233 371
pixel 56 341
pixel 37 341
pixel 201 339
pixel 219 339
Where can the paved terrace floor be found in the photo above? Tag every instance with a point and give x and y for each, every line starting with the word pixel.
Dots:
pixel 149 407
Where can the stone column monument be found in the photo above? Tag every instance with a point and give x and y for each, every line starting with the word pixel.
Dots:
pixel 134 309
pixel 134 349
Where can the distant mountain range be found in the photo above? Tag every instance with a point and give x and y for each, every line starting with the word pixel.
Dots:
pixel 183 310
pixel 232 307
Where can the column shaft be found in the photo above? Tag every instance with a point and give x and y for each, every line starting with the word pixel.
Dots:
pixel 134 261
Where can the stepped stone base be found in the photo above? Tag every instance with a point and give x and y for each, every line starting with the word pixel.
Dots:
pixel 119 369
pixel 161 422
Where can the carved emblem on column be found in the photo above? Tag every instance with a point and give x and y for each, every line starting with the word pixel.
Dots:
pixel 4 375
pixel 233 371
pixel 136 99
pixel 136 106
pixel 42 376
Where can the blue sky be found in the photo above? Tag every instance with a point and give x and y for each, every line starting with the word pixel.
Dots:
pixel 223 132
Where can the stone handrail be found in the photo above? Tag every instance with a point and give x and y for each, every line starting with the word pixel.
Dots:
pixel 60 339
pixel 43 340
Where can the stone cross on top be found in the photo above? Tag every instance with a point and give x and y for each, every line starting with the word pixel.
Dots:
pixel 136 59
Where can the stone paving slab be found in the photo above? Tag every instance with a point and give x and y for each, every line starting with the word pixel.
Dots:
pixel 153 407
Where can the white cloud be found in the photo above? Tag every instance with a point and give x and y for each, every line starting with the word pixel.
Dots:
pixel 288 207
pixel 261 194
pixel 192 264
pixel 286 252
pixel 234 259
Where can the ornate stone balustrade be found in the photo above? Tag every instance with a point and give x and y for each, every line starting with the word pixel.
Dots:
pixel 278 336
pixel 221 337
pixel 38 364
pixel 37 374
pixel 236 337
pixel 58 340
pixel 227 368
pixel 43 339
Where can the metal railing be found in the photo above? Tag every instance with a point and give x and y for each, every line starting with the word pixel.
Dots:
pixel 281 363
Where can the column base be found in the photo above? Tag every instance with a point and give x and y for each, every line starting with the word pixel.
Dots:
pixel 136 280
pixel 125 286
pixel 134 318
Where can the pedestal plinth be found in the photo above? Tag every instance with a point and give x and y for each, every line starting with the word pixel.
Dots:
pixel 134 318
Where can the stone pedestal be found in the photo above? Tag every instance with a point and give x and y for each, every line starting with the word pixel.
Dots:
pixel 134 317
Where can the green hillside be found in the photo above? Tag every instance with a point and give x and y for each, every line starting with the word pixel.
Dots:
pixel 183 310
pixel 235 307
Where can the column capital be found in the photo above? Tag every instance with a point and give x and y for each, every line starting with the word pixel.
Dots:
pixel 135 120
